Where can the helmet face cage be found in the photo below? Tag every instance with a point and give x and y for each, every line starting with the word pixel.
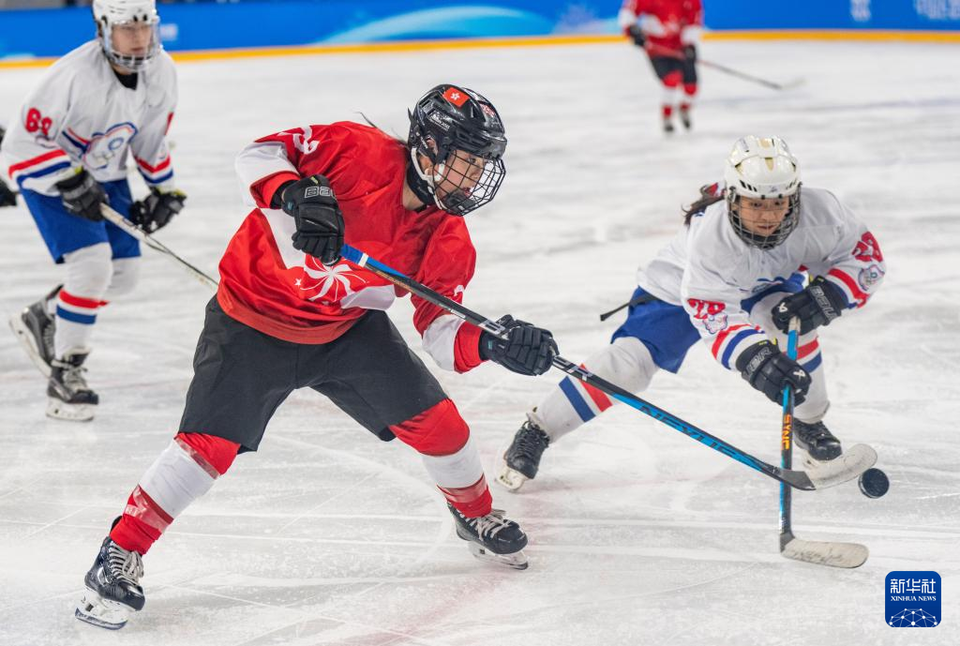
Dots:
pixel 460 132
pixel 466 182
pixel 109 19
pixel 787 225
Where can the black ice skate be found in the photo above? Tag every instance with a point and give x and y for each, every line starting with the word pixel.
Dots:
pixel 685 118
pixel 34 328
pixel 819 444
pixel 493 538
pixel 668 125
pixel 113 587
pixel 69 396
pixel 522 460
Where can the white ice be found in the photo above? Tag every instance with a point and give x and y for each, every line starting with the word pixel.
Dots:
pixel 638 535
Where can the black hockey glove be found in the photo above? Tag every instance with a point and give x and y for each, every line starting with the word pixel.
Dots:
pixel 319 221
pixel 156 210
pixel 7 197
pixel 639 38
pixel 817 305
pixel 82 195
pixel 690 53
pixel 770 371
pixel 527 350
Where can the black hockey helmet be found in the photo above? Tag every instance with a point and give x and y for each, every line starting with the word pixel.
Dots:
pixel 452 122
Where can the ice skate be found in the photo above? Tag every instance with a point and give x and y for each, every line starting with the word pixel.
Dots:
pixel 668 127
pixel 685 118
pixel 68 395
pixel 816 441
pixel 493 538
pixel 522 460
pixel 113 589
pixel 34 329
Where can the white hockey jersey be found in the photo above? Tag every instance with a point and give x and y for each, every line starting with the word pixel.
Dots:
pixel 709 271
pixel 80 114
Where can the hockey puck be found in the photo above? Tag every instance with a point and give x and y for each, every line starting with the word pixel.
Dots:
pixel 874 483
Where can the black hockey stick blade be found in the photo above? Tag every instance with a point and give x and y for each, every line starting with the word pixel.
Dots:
pixel 831 554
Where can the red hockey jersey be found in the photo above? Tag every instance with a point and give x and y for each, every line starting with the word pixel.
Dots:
pixel 669 24
pixel 269 285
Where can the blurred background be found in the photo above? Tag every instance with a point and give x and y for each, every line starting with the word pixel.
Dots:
pixel 263 23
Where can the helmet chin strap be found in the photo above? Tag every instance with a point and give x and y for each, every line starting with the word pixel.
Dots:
pixel 420 182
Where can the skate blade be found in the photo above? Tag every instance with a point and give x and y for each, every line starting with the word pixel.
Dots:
pixel 27 343
pixel 510 479
pixel 516 561
pixel 101 612
pixel 57 409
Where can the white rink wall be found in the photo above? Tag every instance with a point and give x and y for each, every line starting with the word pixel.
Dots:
pixel 638 535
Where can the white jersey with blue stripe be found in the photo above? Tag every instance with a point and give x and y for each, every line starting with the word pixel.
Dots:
pixel 710 272
pixel 81 115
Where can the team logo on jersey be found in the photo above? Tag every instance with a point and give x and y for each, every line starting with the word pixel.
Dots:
pixel 868 249
pixel 104 146
pixel 711 314
pixel 870 276
pixel 330 283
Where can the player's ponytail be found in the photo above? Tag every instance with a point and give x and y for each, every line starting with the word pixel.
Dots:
pixel 709 194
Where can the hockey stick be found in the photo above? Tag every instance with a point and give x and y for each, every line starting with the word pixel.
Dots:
pixel 129 227
pixel 673 53
pixel 854 462
pixel 843 555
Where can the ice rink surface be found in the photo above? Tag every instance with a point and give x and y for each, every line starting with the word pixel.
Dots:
pixel 637 534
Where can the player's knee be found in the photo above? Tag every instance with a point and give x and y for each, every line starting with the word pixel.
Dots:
pixel 209 450
pixel 690 89
pixel 126 274
pixel 439 430
pixel 672 79
pixel 89 271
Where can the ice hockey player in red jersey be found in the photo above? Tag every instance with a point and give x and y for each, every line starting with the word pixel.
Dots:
pixel 669 31
pixel 290 313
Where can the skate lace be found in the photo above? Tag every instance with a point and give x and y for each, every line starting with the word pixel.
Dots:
pixel 532 441
pixel 125 566
pixel 489 525
pixel 73 378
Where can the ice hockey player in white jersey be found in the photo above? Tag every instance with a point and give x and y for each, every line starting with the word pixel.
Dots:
pixel 733 277
pixel 68 153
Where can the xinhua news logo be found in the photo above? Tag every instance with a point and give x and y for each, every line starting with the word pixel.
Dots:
pixel 913 599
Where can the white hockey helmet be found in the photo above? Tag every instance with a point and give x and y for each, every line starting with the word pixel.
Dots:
pixel 760 168
pixel 109 14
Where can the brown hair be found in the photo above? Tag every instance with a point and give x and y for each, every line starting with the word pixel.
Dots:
pixel 709 194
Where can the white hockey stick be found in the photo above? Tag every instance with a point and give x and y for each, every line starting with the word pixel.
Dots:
pixel 844 555
pixel 144 237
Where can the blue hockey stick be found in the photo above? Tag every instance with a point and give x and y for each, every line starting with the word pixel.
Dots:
pixel 857 459
pixel 832 553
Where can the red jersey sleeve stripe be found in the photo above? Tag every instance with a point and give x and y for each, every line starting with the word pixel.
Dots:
pixel 718 343
pixel 154 169
pixel 851 284
pixel 53 154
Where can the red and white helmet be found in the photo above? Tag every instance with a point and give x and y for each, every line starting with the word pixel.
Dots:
pixel 761 168
pixel 110 14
